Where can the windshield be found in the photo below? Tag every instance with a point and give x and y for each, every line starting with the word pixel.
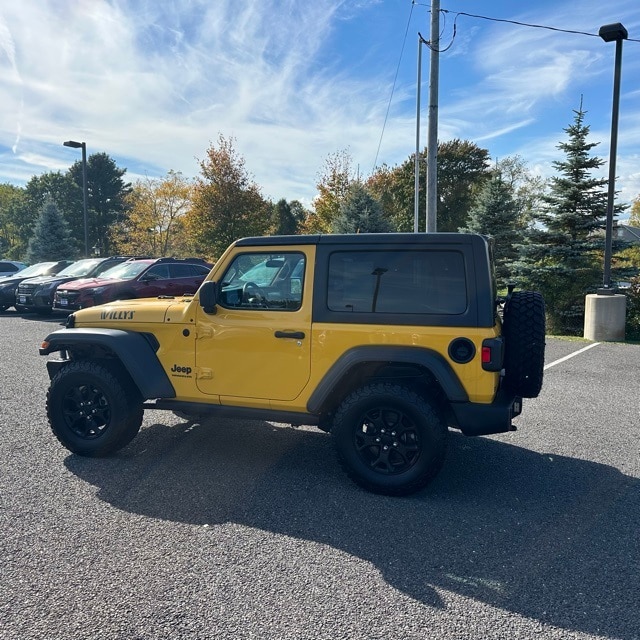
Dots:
pixel 81 268
pixel 125 270
pixel 36 269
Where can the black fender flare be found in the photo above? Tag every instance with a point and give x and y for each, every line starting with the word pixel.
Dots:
pixel 419 356
pixel 135 351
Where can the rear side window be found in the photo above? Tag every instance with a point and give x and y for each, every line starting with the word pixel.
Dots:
pixel 199 271
pixel 180 271
pixel 398 282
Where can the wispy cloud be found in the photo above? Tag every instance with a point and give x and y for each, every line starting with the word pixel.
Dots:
pixel 154 82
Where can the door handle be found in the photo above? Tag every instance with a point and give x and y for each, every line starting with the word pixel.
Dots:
pixel 296 335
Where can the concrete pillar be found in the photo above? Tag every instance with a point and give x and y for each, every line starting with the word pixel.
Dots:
pixel 604 317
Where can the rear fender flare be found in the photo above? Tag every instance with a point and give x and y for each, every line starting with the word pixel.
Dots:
pixel 418 356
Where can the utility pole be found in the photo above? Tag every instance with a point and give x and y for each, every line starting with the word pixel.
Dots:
pixel 416 194
pixel 432 124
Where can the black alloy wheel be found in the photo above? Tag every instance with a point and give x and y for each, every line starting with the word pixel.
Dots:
pixel 389 439
pixel 93 410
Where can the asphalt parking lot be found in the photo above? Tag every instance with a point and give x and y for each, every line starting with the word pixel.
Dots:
pixel 233 529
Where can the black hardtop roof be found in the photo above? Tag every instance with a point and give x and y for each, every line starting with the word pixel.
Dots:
pixel 364 239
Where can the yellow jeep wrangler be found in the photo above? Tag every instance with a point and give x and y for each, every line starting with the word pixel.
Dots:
pixel 383 340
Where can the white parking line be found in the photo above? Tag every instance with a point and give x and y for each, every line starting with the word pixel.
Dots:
pixel 575 353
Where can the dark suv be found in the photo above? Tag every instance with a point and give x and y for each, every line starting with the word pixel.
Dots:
pixel 36 294
pixel 9 284
pixel 147 278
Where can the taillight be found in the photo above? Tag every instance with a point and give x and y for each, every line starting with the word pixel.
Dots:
pixel 492 354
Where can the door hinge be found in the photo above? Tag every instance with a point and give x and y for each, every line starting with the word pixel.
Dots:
pixel 204 332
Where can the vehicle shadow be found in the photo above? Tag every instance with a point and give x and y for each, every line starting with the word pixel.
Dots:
pixel 548 537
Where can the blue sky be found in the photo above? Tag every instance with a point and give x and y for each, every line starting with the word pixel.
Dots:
pixel 154 82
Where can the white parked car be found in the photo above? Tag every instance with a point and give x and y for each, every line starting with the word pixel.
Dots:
pixel 10 268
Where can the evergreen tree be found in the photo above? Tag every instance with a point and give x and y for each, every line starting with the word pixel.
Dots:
pixel 52 185
pixel 283 219
pixel 106 191
pixel 497 214
pixel 562 255
pixel 360 213
pixel 51 238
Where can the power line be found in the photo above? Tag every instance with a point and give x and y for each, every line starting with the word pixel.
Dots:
pixel 524 24
pixel 393 88
pixel 457 14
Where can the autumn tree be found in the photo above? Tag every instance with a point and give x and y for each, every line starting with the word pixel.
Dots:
pixel 630 256
pixel 12 241
pixel 333 184
pixel 527 189
pixel 634 215
pixel 394 188
pixel 154 222
pixel 51 238
pixel 227 203
pixel 463 169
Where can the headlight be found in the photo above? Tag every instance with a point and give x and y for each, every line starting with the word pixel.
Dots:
pixel 94 290
pixel 45 288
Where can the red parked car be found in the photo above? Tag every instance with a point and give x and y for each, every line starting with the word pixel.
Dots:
pixel 134 279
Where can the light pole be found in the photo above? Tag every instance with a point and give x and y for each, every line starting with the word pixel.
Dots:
pixel 612 33
pixel 83 146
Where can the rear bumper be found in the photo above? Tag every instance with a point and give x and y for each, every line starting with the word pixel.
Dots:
pixel 475 419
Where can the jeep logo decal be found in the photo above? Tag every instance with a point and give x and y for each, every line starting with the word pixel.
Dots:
pixel 176 369
pixel 117 315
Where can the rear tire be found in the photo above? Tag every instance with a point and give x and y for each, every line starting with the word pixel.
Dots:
pixel 524 339
pixel 389 439
pixel 91 412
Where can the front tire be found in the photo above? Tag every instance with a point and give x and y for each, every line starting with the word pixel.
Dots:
pixel 389 439
pixel 91 411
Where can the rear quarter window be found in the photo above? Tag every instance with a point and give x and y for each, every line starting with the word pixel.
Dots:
pixel 397 282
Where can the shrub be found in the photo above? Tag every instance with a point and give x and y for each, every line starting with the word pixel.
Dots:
pixel 632 327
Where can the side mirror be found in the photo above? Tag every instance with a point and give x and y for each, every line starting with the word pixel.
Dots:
pixel 209 296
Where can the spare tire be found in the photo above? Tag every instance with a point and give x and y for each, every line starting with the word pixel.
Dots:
pixel 523 330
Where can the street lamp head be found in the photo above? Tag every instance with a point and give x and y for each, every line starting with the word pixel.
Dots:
pixel 73 144
pixel 613 32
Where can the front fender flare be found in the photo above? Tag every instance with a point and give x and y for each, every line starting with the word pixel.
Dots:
pixel 134 350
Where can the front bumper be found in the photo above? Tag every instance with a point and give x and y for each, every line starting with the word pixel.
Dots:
pixel 34 302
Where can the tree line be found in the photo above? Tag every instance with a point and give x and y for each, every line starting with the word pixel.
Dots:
pixel 547 235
